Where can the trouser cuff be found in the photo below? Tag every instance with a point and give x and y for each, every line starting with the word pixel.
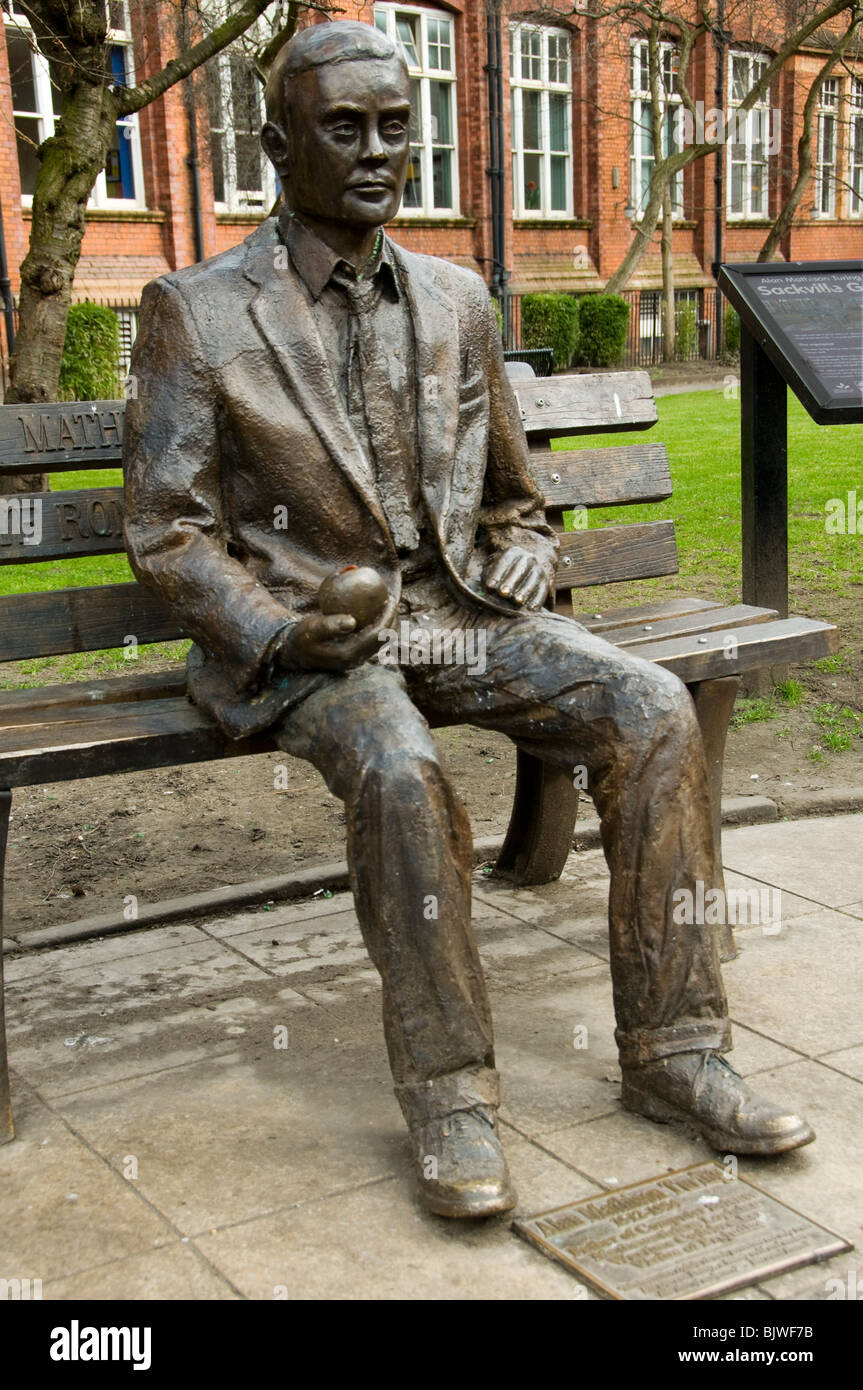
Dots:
pixel 650 1044
pixel 422 1101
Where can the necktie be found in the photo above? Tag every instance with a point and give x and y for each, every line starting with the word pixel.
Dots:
pixel 384 415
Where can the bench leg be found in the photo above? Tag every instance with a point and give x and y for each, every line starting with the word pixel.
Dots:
pixel 7 1128
pixel 714 702
pixel 542 823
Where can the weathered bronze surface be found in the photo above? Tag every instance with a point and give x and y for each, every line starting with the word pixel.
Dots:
pixel 319 397
pixel 695 1233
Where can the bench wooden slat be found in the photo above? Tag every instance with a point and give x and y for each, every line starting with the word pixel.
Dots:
pixel 36 706
pixel 644 613
pixel 687 625
pixel 82 620
pixel 158 733
pixel 602 477
pixel 612 554
pixel 55 438
pixel 765 644
pixel 88 521
pixel 587 404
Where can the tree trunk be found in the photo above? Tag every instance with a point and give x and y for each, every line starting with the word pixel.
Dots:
pixel 669 323
pixel 70 164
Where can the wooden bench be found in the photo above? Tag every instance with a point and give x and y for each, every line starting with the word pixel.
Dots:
pixel 131 722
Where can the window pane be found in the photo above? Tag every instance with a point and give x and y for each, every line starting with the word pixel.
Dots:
pixel 532 182
pixel 246 112
pixel 407 32
pixel 558 122
pixel 737 171
pixel 646 130
pixel 119 174
pixel 440 45
pixel 217 163
pixel 756 190
pixel 739 77
pixel 530 123
pixel 118 65
pixel 381 20
pixel 531 56
pixel 29 132
pixel 416 124
pixel 413 196
pixel 21 72
pixel 559 168
pixel 442 178
pixel 441 113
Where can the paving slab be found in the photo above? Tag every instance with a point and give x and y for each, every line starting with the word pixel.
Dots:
pixel 173 1272
pixel 63 1209
pixel 375 1243
pixel 802 987
pixel 818 858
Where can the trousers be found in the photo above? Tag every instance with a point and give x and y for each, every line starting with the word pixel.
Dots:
pixel 564 695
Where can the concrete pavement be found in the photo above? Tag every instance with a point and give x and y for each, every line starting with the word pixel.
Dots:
pixel 204 1109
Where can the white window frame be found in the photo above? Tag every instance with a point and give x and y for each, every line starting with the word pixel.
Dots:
pixel 544 79
pixel 757 122
pixel 826 149
pixel 670 109
pixel 117 38
pixel 237 199
pixel 855 148
pixel 423 133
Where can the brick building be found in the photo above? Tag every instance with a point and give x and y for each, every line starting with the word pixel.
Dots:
pixel 532 151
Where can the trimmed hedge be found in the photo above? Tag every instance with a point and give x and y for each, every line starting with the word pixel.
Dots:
pixel 91 354
pixel 603 323
pixel 732 329
pixel 550 320
pixel 685 330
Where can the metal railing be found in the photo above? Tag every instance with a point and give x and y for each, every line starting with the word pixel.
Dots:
pixel 699 320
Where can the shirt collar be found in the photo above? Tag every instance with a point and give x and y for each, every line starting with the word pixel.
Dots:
pixel 315 262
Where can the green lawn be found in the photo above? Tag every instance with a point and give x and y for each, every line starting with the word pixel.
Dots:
pixel 701 431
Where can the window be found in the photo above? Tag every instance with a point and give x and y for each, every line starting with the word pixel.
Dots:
pixel 642 157
pixel 825 160
pixel 243 178
pixel 427 42
pixel 855 152
pixel 749 136
pixel 37 103
pixel 539 69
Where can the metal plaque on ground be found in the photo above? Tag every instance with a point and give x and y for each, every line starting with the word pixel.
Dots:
pixel 694 1233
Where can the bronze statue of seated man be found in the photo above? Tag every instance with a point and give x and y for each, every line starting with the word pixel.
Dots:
pixel 318 397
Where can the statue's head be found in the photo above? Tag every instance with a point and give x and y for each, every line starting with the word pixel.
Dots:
pixel 338 123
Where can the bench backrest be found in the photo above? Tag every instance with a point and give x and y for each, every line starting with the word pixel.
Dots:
pixel 77 436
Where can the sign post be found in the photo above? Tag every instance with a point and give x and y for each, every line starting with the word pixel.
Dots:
pixel 801 325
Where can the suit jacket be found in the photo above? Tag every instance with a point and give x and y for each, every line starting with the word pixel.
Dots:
pixel 246 484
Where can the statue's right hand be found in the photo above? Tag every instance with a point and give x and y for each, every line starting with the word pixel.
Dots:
pixel 327 642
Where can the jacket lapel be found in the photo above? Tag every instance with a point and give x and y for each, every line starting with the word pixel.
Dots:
pixel 435 324
pixel 282 314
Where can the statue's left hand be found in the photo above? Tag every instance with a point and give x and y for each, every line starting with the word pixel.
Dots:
pixel 517 575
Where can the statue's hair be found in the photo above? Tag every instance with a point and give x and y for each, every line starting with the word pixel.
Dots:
pixel 342 41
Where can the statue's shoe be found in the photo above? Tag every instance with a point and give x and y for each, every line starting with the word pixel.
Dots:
pixel 460 1165
pixel 700 1089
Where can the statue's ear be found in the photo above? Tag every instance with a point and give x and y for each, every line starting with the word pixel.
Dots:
pixel 275 143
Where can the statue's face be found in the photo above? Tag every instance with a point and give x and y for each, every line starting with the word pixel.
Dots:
pixel 348 141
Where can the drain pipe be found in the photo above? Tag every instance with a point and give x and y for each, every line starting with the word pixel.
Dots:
pixel 193 162
pixel 495 171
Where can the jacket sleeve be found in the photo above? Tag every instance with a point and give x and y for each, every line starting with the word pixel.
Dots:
pixel 513 508
pixel 174 526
